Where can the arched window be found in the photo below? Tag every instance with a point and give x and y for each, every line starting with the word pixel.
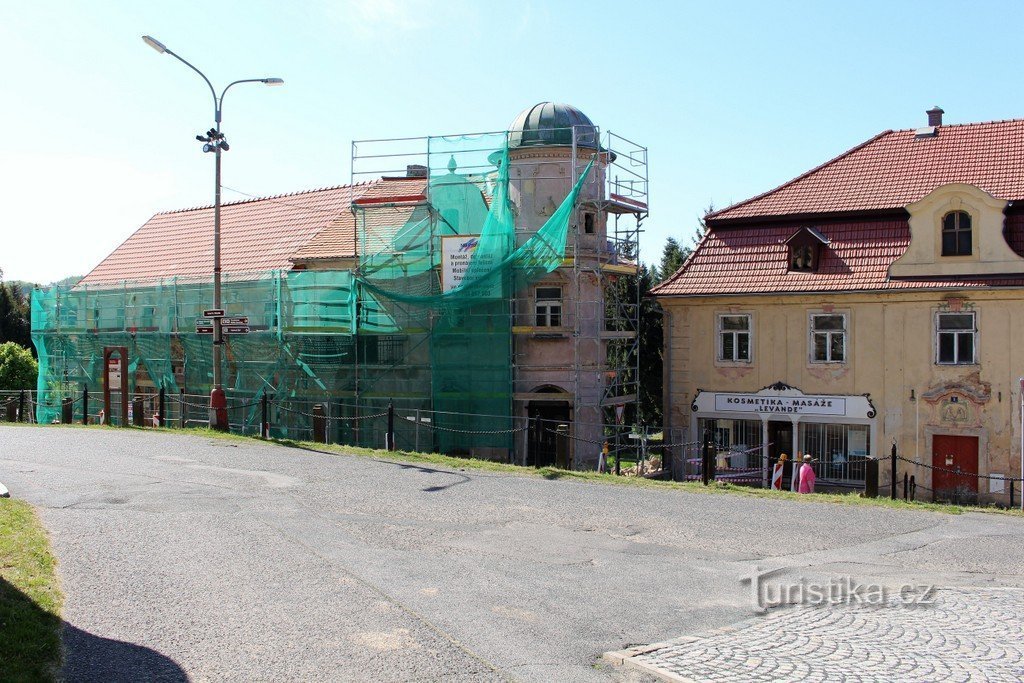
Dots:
pixel 956 234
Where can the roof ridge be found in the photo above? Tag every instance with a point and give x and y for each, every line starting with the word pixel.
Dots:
pixel 716 214
pixel 350 186
pixel 963 125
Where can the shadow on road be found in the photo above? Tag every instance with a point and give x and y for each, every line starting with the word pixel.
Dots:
pixel 30 648
pixel 88 657
pixel 462 479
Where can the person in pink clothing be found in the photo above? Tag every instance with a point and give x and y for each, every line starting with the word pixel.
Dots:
pixel 806 476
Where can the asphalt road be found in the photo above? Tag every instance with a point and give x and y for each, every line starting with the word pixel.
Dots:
pixel 189 557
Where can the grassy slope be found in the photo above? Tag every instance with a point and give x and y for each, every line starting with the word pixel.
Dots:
pixel 30 596
pixel 463 464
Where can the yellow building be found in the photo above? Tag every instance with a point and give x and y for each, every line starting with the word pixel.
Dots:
pixel 873 299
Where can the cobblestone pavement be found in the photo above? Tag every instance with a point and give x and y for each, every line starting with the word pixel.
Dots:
pixel 965 635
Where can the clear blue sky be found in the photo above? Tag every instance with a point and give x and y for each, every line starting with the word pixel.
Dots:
pixel 731 98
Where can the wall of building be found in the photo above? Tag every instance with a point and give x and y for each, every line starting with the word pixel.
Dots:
pixel 540 178
pixel 890 354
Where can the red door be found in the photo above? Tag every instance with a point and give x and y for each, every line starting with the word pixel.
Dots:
pixel 956 461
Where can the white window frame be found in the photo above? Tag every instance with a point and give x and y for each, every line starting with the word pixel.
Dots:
pixel 829 334
pixel 545 309
pixel 720 333
pixel 939 331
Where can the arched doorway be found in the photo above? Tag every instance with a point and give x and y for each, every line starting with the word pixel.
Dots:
pixel 545 416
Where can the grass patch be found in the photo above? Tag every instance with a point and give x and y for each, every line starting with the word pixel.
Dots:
pixel 551 473
pixel 30 596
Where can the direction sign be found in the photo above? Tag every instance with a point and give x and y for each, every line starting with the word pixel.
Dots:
pixel 214 313
pixel 235 321
pixel 204 322
pixel 235 329
pixel 204 330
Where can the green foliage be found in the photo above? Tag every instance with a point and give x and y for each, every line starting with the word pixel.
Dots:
pixel 672 257
pixel 649 343
pixel 30 596
pixel 18 369
pixel 14 313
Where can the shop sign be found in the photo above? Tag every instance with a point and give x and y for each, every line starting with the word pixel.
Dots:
pixel 789 405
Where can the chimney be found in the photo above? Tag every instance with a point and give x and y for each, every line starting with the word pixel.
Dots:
pixel 415 171
pixel 935 116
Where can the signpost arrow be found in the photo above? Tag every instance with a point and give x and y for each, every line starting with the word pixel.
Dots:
pixel 235 329
pixel 244 320
pixel 214 313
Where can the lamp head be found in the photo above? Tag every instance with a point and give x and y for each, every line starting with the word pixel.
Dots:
pixel 273 81
pixel 155 44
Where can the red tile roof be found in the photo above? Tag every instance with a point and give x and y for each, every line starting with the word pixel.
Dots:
pixel 338 239
pixel 896 168
pixel 754 260
pixel 257 235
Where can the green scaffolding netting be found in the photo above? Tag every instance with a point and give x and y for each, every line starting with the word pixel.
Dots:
pixel 404 326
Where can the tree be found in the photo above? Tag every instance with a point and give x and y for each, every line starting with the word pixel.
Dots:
pixel 15 311
pixel 18 369
pixel 672 257
pixel 621 300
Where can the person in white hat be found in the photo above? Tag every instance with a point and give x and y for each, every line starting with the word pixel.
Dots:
pixel 807 475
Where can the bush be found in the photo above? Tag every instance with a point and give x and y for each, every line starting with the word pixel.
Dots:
pixel 18 369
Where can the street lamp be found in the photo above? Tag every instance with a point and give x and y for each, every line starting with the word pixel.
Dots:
pixel 215 143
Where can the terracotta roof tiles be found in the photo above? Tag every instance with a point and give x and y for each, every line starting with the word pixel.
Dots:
pixel 896 168
pixel 260 234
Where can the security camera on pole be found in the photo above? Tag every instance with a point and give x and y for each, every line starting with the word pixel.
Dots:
pixel 215 143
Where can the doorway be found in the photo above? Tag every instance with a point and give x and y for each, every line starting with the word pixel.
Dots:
pixel 545 416
pixel 780 440
pixel 955 477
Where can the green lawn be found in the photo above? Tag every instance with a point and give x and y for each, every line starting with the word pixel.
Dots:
pixel 459 463
pixel 30 597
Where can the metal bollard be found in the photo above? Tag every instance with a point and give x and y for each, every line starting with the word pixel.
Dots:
pixel 319 424
pixel 138 412
pixel 871 478
pixel 892 472
pixel 67 408
pixel 12 410
pixel 264 417
pixel 705 459
pixel 85 405
pixel 161 409
pixel 562 447
pixel 21 406
pixel 391 426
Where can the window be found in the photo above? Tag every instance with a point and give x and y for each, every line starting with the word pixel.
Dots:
pixel 956 336
pixel 805 249
pixel 828 338
pixel 588 223
pixel 734 338
pixel 802 259
pixel 549 307
pixel 956 234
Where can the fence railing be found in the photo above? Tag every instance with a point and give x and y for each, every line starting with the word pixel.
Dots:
pixel 401 424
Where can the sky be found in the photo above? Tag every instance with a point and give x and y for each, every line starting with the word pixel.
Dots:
pixel 731 98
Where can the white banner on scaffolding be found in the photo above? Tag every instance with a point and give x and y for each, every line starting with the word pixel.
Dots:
pixel 456 253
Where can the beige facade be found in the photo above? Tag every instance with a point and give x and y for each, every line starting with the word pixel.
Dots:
pixel 891 356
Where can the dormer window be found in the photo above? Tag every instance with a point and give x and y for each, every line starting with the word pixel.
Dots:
pixel 956 234
pixel 805 250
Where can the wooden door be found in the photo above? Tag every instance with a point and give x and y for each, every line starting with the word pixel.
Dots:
pixel 956 461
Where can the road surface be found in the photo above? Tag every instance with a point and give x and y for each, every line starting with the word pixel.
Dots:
pixel 210 559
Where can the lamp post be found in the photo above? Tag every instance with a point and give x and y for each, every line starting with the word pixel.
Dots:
pixel 215 143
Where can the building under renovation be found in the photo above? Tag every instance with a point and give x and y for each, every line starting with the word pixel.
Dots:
pixel 479 283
